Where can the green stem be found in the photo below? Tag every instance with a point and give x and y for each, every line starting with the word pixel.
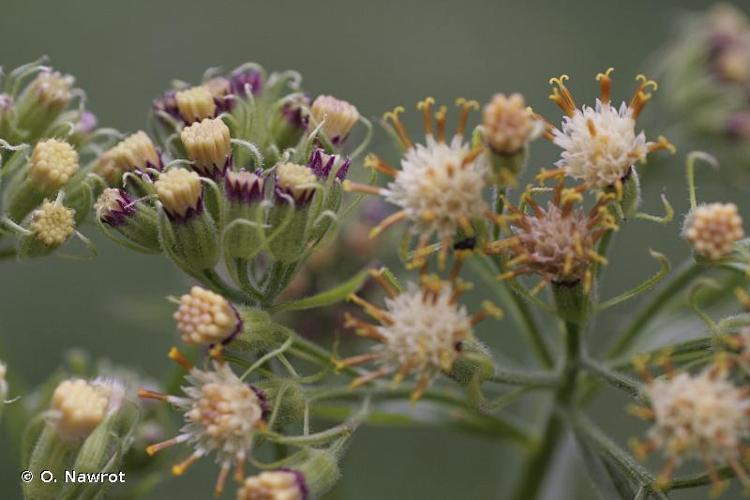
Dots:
pixel 525 378
pixel 613 378
pixel 688 271
pixel 534 470
pixel 519 310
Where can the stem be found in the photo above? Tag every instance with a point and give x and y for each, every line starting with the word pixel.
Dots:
pixel 541 456
pixel 688 271
pixel 617 380
pixel 520 311
pixel 525 378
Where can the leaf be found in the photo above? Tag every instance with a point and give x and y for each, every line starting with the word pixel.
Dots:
pixel 326 298
pixel 608 482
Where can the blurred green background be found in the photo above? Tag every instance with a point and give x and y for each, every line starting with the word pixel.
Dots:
pixel 376 55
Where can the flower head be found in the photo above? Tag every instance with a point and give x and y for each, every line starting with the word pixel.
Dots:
pixel 208 145
pixel 508 125
pixel 246 82
pixel 205 317
pixel 243 186
pixel 134 153
pixel 600 144
pixel 114 206
pixel 79 406
pixel 52 89
pixel 295 181
pixel 52 223
pixel 713 229
pixel 420 330
pixel 180 192
pixel 323 164
pixel 222 416
pixel 336 116
pixel 556 242
pixel 53 162
pixel 440 183
pixel 279 484
pixel 195 104
pixel 702 416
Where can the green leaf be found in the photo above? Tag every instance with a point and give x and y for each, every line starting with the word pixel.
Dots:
pixel 326 298
pixel 607 482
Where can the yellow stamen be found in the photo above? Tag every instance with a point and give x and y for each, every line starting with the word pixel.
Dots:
pixel 605 85
pixel 364 379
pixel 176 356
pixel 357 187
pixel 440 116
pixel 561 95
pixel 375 162
pixel 425 107
pixel 398 126
pixel 388 222
pixel 180 468
pixel 466 107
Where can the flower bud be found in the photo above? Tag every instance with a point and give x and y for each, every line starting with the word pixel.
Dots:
pixel 205 317
pixel 291 409
pixel 136 221
pixel 336 116
pixel 195 238
pixel 474 363
pixel 713 229
pixel 274 485
pixel 195 104
pixel 77 408
pixel 329 169
pixel 290 122
pixel 52 164
pixel 208 145
pixel 51 225
pixel 244 192
pixel 294 187
pixel 573 302
pixel 221 89
pixel 507 127
pixel 42 101
pixel 245 83
pixel 135 153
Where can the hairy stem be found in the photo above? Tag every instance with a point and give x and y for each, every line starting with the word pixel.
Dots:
pixel 541 456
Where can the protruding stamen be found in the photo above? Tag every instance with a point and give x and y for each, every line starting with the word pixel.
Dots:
pixel 239 468
pixel 147 394
pixel 488 310
pixel 371 309
pixel 426 108
pixel 176 356
pixel 155 448
pixel 660 144
pixel 398 126
pixel 641 96
pixel 440 117
pixel 364 379
pixel 466 107
pixel 605 85
pixel 561 95
pixel 222 479
pixel 375 162
pixel 360 359
pixel 377 275
pixel 180 468
pixel 665 476
pixel 388 222
pixel 357 187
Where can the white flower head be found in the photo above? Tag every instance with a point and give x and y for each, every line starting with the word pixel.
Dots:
pixel 713 229
pixel 703 415
pixel 420 330
pixel 600 144
pixel 439 187
pixel 222 415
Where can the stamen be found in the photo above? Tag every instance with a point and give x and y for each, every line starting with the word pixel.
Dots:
pixel 466 107
pixel 360 359
pixel 388 222
pixel 545 174
pixel 180 468
pixel 440 119
pixel 425 107
pixel 222 479
pixel 561 95
pixel 377 275
pixel 147 394
pixel 364 379
pixel 660 144
pixel 665 476
pixel 422 385
pixel 592 128
pixel 371 309
pixel 488 310
pixel 605 85
pixel 154 448
pixel 176 356
pixel 398 126
pixel 239 468
pixel 357 187
pixel 471 156
pixel 643 412
pixel 375 162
